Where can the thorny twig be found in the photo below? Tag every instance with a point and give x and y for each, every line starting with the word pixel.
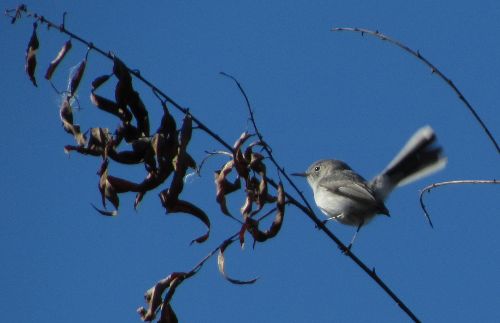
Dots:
pixel 433 68
pixel 172 281
pixel 428 189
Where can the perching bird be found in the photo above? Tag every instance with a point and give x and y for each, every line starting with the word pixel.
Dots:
pixel 345 196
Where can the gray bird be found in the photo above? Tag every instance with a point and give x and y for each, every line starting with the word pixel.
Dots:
pixel 345 196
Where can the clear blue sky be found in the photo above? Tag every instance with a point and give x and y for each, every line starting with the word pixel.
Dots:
pixel 316 94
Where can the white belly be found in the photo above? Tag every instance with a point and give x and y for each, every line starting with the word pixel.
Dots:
pixel 343 209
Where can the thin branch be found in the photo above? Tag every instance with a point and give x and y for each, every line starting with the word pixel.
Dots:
pixel 310 213
pixel 435 185
pixel 433 68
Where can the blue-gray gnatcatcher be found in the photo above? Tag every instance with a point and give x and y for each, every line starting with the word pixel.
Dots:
pixel 345 196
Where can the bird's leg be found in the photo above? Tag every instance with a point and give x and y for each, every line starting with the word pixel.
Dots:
pixel 355 234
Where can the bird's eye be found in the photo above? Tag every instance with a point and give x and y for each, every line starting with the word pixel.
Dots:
pixel 316 169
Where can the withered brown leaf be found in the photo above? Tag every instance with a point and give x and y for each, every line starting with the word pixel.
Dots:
pixel 55 62
pixel 30 65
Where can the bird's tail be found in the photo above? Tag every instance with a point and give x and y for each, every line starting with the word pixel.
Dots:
pixel 418 158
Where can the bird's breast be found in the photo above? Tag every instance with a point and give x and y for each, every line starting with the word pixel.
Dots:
pixel 342 209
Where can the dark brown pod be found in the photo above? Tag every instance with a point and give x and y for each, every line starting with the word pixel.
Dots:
pixel 60 56
pixel 33 45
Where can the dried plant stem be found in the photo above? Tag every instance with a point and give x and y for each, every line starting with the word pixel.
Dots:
pixel 428 189
pixel 434 70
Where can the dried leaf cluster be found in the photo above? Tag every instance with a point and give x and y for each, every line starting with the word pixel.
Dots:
pixel 164 154
pixel 249 166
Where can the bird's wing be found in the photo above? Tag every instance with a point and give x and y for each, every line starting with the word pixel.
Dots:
pixel 351 190
pixel 357 192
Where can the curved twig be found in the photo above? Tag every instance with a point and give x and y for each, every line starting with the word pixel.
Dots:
pixel 433 68
pixel 435 185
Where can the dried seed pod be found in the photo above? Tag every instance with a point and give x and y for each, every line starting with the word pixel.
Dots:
pixel 181 162
pixel 224 186
pixel 168 126
pixel 241 140
pixel 241 235
pixel 33 45
pixel 128 132
pixel 186 131
pixel 55 62
pixel 66 115
pixel 107 190
pixel 165 149
pixel 141 149
pixel 139 111
pixel 185 207
pixel 256 163
pixel 241 165
pixel 121 71
pixel 121 185
pixel 100 80
pixel 99 138
pixel 110 107
pixel 76 77
pixel 168 314
pixel 280 214
pixel 123 90
pixel 246 209
pixel 252 225
pixel 153 297
pixel 82 150
pixel 262 193
pixel 221 266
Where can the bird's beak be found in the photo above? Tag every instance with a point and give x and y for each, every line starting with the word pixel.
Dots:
pixel 299 174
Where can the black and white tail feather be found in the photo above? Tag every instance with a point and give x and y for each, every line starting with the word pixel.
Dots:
pixel 420 157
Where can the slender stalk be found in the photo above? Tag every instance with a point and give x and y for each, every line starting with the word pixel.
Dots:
pixel 434 70
pixel 465 181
